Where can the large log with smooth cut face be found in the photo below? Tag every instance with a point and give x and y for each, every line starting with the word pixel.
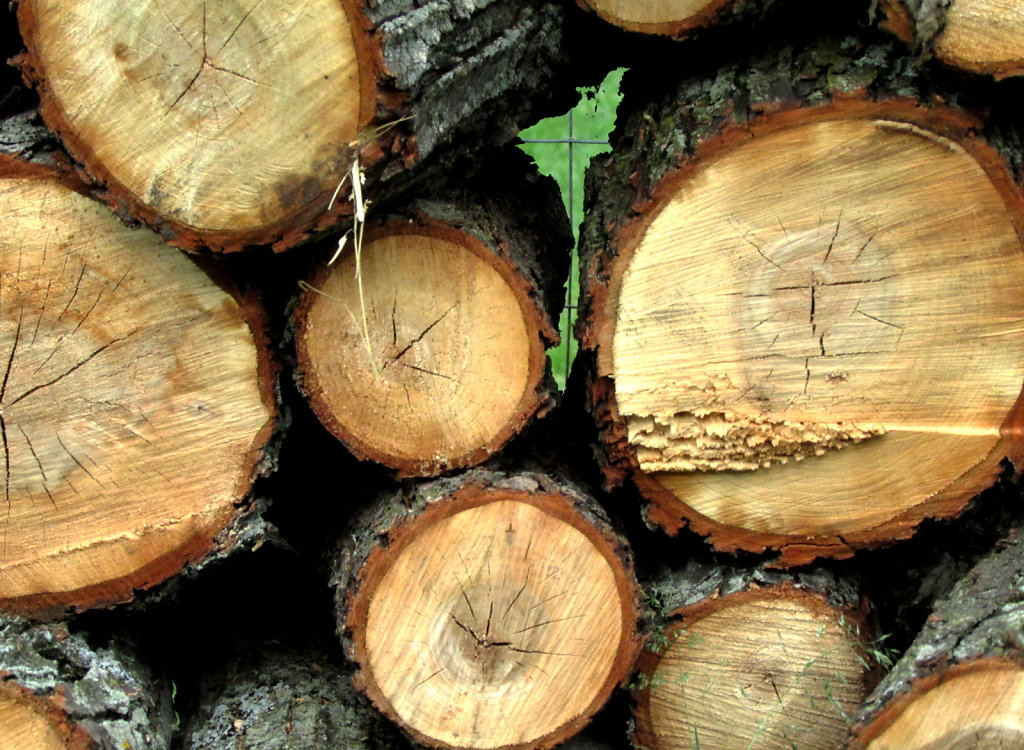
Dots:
pixel 136 401
pixel 799 292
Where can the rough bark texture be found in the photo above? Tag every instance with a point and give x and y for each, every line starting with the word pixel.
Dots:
pixel 510 218
pixel 374 546
pixel 977 626
pixel 105 692
pixel 271 696
pixel 662 138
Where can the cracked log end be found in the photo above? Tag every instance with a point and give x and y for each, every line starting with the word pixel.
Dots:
pixel 450 363
pixel 815 334
pixel 135 402
pixel 981 36
pixel 178 109
pixel 664 17
pixel 501 616
pixel 774 667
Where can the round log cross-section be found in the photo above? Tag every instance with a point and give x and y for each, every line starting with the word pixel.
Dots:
pixel 427 352
pixel 501 615
pixel 178 109
pixel 135 402
pixel 774 665
pixel 810 335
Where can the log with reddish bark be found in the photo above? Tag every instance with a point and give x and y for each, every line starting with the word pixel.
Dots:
pixel 136 403
pixel 982 36
pixel 59 692
pixel 229 125
pixel 425 350
pixel 488 610
pixel 746 657
pixel 961 682
pixel 799 301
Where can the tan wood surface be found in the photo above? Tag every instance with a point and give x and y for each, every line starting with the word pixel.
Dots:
pixel 775 669
pixel 448 365
pixel 133 409
pixel 820 329
pixel 212 116
pixel 655 16
pixel 980 709
pixel 26 726
pixel 985 36
pixel 501 615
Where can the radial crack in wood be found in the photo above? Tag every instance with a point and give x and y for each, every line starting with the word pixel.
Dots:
pixel 135 403
pixel 432 358
pixel 774 668
pixel 810 334
pixel 180 107
pixel 498 616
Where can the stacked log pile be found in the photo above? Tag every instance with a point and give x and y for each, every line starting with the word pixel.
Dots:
pixel 284 464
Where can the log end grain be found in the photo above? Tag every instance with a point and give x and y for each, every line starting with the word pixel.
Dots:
pixel 499 613
pixel 779 322
pixel 136 402
pixel 426 353
pixel 777 666
pixel 178 112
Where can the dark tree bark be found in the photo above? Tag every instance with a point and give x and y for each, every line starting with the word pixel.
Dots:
pixel 273 696
pixel 960 681
pixel 58 691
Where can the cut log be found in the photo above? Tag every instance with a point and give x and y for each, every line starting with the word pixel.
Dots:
pixel 135 403
pixel 488 610
pixel 59 693
pixel 674 18
pixel 750 658
pixel 799 291
pixel 273 696
pixel 208 120
pixel 981 36
pixel 426 352
pixel 961 683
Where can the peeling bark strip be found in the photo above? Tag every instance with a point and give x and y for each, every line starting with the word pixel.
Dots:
pixel 461 296
pixel 802 341
pixel 982 36
pixel 59 693
pixel 271 696
pixel 960 683
pixel 488 610
pixel 675 18
pixel 231 124
pixel 751 658
pixel 135 403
